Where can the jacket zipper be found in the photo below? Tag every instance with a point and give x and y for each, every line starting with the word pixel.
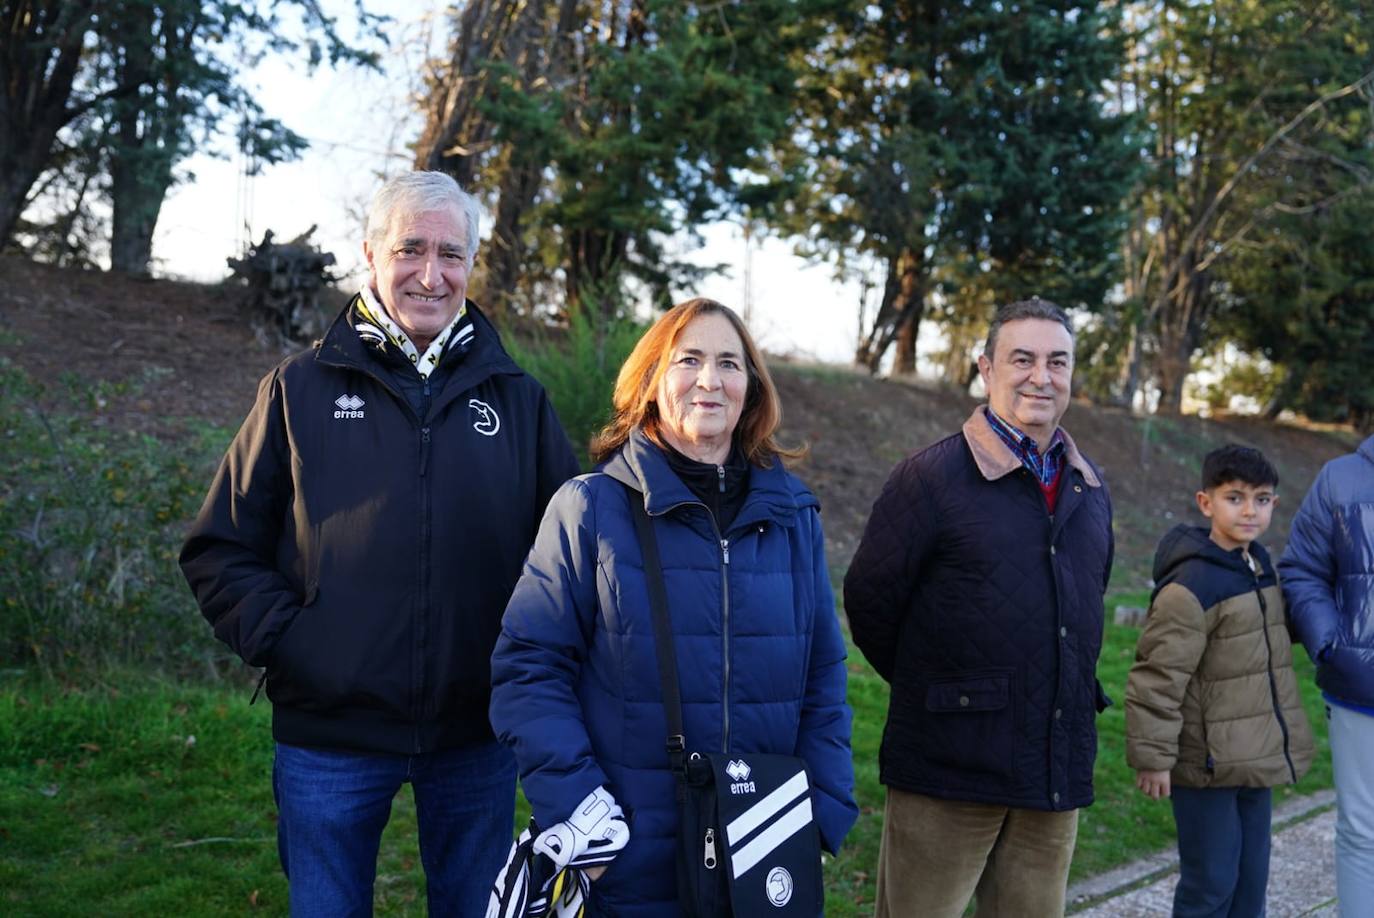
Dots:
pixel 1269 671
pixel 348 363
pixel 422 612
pixel 725 640
pixel 724 616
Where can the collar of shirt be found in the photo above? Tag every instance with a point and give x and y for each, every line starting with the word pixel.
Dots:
pixel 1045 467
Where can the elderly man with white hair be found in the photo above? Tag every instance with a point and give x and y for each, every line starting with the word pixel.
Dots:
pixel 360 541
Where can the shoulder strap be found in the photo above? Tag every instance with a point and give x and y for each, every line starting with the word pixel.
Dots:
pixel 663 631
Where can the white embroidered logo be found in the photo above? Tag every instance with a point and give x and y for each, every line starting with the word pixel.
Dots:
pixel 350 406
pixel 485 419
pixel 779 886
pixel 739 771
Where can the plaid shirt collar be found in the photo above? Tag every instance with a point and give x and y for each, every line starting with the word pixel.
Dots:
pixel 1044 467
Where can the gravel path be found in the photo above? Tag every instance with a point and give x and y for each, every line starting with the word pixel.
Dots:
pixel 1302 873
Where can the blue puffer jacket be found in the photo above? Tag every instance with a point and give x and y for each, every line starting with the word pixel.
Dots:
pixel 576 689
pixel 1328 576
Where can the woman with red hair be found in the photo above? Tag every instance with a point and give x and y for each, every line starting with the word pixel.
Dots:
pixel 576 686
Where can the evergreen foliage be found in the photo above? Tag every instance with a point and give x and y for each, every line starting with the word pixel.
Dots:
pixel 108 96
pixel 597 129
pixel 1259 121
pixel 1304 299
pixel 965 150
pixel 578 365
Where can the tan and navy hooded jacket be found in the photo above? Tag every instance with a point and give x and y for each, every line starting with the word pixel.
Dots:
pixel 1212 697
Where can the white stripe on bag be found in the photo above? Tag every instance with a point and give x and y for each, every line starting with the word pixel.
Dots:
pixel 766 808
pixel 792 822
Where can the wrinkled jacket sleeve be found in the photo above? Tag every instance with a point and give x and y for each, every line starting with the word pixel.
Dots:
pixel 1166 656
pixel 228 557
pixel 880 581
pixel 823 737
pixel 545 636
pixel 1308 568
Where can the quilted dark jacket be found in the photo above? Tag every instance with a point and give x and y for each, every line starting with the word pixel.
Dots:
pixel 1328 576
pixel 575 684
pixel 985 614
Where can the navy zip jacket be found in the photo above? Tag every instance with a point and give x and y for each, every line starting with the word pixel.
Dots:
pixel 984 612
pixel 1328 577
pixel 576 690
pixel 363 552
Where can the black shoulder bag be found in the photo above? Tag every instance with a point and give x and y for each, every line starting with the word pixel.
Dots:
pixel 747 842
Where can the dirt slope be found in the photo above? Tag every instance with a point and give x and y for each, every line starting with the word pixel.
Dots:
pixel 199 356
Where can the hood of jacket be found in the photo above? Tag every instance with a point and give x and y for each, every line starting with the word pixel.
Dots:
pixel 1225 570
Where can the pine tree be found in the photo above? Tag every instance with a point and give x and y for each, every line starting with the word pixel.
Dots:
pixel 597 130
pixel 964 148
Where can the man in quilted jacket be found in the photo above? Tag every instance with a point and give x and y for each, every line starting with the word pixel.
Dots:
pixel 1328 579
pixel 977 594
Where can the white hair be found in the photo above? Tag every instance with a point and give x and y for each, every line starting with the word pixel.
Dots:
pixel 421 193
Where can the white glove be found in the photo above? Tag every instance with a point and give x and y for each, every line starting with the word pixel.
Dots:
pixel 589 839
pixel 594 834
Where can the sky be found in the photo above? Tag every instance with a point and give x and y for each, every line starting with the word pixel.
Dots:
pixel 358 124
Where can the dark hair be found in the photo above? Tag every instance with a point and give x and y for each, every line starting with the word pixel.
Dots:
pixel 1234 462
pixel 1033 308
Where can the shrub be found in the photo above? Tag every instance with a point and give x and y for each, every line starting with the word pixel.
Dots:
pixel 90 523
pixel 577 365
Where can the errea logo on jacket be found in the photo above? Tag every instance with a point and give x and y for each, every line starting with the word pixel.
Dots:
pixel 739 772
pixel 349 406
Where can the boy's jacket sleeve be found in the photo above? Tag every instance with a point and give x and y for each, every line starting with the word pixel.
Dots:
pixel 1166 656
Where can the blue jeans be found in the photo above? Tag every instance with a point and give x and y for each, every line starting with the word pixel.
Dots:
pixel 333 806
pixel 1223 851
pixel 1352 761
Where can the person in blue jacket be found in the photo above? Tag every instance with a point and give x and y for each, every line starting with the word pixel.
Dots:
pixel 1328 580
pixel 575 682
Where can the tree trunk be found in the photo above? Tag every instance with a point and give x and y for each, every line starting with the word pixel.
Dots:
pixel 596 259
pixel 1171 371
pixel 142 145
pixel 455 131
pixel 904 361
pixel 18 172
pixel 1130 382
pixel 40 52
pixel 1283 395
pixel 506 250
pixel 1178 338
pixel 138 187
pixel 904 296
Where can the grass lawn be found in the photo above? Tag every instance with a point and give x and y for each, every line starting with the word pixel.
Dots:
pixel 141 797
pixel 1121 826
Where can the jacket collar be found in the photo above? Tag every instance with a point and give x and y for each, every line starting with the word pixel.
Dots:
pixel 341 346
pixel 995 460
pixel 641 464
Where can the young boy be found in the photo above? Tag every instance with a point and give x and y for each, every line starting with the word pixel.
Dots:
pixel 1213 717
